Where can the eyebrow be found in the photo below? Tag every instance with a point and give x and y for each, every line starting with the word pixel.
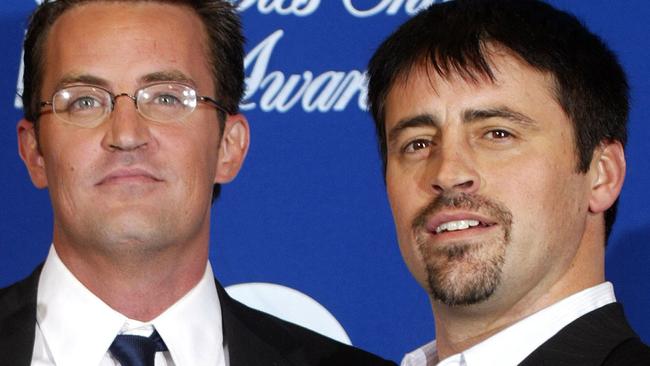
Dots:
pixel 167 75
pixel 81 79
pixel 472 115
pixel 158 76
pixel 421 120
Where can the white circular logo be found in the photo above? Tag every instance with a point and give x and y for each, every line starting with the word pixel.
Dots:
pixel 290 305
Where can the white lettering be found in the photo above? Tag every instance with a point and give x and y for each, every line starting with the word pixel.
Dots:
pixel 334 90
pixel 18 100
pixel 331 90
pixel 299 8
pixel 390 7
pixel 278 95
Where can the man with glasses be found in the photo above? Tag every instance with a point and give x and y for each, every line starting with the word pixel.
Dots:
pixel 131 123
pixel 502 126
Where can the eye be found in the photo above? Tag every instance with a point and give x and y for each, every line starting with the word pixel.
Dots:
pixel 167 100
pixel 416 145
pixel 498 134
pixel 84 103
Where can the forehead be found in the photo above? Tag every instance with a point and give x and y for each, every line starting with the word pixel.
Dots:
pixel 514 83
pixel 122 41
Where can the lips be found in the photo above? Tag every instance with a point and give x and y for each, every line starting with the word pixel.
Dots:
pixel 446 222
pixel 129 175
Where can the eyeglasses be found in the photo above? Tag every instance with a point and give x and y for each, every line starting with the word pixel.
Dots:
pixel 88 105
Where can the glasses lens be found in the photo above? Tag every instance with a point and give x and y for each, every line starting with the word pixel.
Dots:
pixel 166 102
pixel 81 105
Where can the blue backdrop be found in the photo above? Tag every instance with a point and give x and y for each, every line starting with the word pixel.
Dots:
pixel 309 209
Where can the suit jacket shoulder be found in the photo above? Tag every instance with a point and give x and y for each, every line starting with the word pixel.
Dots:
pixel 630 353
pixel 600 337
pixel 18 321
pixel 254 338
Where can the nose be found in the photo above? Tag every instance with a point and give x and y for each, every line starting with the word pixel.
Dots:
pixel 127 131
pixel 453 169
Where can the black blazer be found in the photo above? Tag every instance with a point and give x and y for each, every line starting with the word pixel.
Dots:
pixel 600 337
pixel 251 337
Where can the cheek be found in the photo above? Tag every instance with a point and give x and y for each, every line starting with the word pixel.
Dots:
pixel 69 174
pixel 199 159
pixel 408 193
pixel 406 201
pixel 65 161
pixel 401 197
pixel 544 195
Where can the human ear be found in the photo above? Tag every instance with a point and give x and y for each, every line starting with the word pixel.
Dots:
pixel 30 153
pixel 608 166
pixel 232 149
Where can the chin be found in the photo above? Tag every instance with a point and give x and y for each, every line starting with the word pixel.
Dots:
pixel 135 233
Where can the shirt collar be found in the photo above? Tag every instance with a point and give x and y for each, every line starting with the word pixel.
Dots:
pixel 193 323
pixel 78 327
pixel 423 356
pixel 513 344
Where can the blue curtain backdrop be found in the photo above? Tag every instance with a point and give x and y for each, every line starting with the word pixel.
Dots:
pixel 309 210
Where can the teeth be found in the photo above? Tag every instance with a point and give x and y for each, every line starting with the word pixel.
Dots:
pixel 456 225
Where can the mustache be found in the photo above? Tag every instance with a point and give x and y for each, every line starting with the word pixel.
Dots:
pixel 463 201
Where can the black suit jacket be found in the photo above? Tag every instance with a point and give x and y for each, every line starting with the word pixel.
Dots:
pixel 600 337
pixel 251 337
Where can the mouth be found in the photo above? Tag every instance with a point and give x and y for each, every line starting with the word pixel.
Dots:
pixel 129 176
pixel 441 225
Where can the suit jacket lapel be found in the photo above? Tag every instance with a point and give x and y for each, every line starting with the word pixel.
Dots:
pixel 586 341
pixel 244 342
pixel 18 321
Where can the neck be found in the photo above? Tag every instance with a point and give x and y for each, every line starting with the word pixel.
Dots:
pixel 142 285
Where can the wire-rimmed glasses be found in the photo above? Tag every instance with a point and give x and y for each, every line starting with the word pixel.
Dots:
pixel 88 105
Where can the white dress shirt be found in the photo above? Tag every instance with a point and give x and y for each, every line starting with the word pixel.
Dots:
pixel 513 344
pixel 75 328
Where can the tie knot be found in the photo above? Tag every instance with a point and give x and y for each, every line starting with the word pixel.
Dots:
pixel 133 350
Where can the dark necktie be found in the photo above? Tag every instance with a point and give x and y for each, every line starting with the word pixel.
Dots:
pixel 132 350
